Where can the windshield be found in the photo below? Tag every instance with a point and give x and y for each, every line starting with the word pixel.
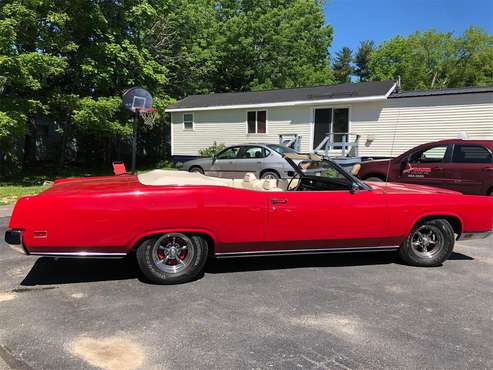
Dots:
pixel 281 149
pixel 326 169
pixel 321 168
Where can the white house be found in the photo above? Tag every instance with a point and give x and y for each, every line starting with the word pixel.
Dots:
pixel 386 121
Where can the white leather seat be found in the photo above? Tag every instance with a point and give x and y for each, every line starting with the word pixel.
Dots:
pixel 249 180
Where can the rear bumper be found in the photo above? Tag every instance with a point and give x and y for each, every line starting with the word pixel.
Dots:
pixel 475 235
pixel 13 238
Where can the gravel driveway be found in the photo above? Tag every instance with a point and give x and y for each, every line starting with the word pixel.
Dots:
pixel 329 312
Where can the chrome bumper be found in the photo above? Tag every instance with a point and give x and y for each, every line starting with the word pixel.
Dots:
pixel 13 238
pixel 470 236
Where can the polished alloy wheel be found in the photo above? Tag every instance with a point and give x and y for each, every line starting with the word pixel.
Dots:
pixel 173 252
pixel 427 241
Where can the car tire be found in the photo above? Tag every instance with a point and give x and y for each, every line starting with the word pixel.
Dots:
pixel 374 178
pixel 172 258
pixel 196 169
pixel 429 243
pixel 270 175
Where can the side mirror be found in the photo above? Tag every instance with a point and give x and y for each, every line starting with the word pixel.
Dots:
pixel 213 159
pixel 404 164
pixel 354 188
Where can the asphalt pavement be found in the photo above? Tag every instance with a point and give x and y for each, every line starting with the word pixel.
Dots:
pixel 359 311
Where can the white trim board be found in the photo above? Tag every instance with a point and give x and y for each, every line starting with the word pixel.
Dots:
pixel 284 104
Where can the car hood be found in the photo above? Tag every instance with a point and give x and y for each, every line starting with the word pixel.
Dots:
pixel 400 188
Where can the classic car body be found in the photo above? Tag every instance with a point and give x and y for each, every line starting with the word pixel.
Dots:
pixel 113 216
pixel 461 165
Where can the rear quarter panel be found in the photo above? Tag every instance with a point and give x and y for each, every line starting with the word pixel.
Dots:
pixel 114 222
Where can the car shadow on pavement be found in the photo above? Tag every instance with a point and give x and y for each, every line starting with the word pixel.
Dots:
pixel 48 271
pixel 304 261
pixel 301 261
pixel 456 256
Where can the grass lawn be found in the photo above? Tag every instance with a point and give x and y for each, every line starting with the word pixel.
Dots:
pixel 9 193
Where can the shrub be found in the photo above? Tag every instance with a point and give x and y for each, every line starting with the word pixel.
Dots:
pixel 211 150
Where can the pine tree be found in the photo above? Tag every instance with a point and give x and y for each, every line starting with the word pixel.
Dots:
pixel 362 60
pixel 342 65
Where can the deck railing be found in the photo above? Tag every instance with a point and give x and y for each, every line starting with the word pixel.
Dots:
pixel 348 144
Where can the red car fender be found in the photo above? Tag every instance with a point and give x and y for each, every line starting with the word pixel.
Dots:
pixel 134 242
pixel 435 215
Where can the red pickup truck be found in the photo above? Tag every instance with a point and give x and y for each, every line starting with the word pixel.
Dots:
pixel 461 165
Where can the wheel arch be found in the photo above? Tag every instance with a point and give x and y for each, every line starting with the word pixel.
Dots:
pixel 269 170
pixel 196 166
pixel 373 174
pixel 490 190
pixel 207 234
pixel 454 220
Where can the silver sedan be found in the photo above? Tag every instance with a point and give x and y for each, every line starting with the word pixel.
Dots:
pixel 264 160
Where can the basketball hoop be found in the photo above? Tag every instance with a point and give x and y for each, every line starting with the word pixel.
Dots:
pixel 139 101
pixel 148 115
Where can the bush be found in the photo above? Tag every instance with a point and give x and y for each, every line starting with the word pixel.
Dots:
pixel 211 150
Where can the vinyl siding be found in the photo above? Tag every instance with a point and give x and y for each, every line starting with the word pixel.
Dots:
pixel 414 121
pixel 411 121
pixel 230 127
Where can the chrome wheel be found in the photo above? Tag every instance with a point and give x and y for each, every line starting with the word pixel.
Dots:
pixel 173 252
pixel 427 241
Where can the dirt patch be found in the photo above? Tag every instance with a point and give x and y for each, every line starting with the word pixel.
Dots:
pixel 4 297
pixel 394 289
pixel 78 295
pixel 331 323
pixel 112 353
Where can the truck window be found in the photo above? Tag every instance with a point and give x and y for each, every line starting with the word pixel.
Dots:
pixel 471 154
pixel 430 155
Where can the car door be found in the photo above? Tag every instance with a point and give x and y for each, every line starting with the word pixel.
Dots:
pixel 251 159
pixel 426 166
pixel 224 163
pixel 328 219
pixel 471 169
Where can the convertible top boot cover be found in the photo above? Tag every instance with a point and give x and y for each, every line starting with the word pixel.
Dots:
pixel 182 178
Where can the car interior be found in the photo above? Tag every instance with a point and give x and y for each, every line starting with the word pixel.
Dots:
pixel 249 181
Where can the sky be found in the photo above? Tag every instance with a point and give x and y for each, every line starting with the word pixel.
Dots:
pixel 379 20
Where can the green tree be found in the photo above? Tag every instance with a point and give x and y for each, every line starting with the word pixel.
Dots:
pixel 68 62
pixel 473 62
pixel 431 59
pixel 362 60
pixel 342 65
pixel 233 45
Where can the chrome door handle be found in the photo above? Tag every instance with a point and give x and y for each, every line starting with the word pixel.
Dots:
pixel 487 168
pixel 279 201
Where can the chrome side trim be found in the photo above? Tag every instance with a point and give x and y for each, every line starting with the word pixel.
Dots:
pixel 79 254
pixel 289 252
pixel 470 236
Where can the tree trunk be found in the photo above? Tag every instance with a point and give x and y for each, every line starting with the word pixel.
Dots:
pixel 30 142
pixel 63 145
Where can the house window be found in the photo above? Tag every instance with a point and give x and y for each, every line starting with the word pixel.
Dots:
pixel 257 122
pixel 188 121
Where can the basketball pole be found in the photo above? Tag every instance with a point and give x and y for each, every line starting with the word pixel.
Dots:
pixel 134 141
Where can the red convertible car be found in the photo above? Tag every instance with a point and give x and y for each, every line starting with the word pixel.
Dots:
pixel 174 221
